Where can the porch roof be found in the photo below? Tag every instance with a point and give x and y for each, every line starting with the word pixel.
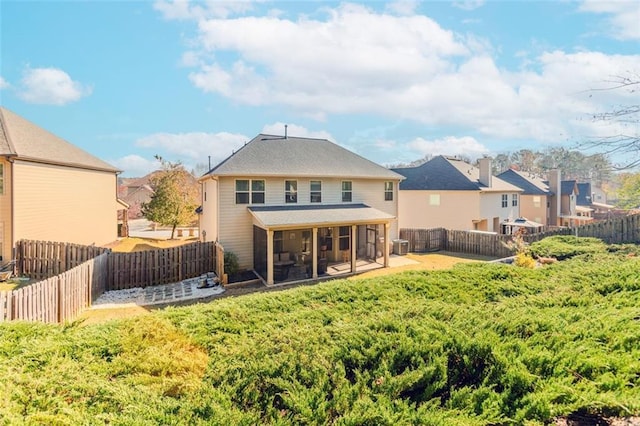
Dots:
pixel 318 215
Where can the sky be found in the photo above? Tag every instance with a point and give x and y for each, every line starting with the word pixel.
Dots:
pixel 392 81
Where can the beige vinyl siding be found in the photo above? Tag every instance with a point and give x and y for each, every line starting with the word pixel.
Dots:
pixel 209 224
pixel 5 213
pixel 56 203
pixel 529 210
pixel 236 222
pixel 491 207
pixel 457 209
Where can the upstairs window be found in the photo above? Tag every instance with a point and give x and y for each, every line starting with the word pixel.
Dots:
pixel 249 191
pixel 315 187
pixel 242 192
pixel 537 201
pixel 257 192
pixel 505 200
pixel 514 200
pixel 346 191
pixel 291 191
pixel 388 191
pixel 434 199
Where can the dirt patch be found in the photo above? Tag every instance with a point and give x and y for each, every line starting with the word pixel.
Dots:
pixel 426 261
pixel 134 244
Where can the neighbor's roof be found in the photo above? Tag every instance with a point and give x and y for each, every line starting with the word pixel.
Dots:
pixel 21 139
pixel 448 174
pixel 529 183
pixel 268 155
pixel 320 215
pixel 584 194
pixel 567 187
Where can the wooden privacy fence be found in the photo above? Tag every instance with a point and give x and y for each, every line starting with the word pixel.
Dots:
pixel 613 231
pixel 57 299
pixel 63 294
pixel 162 266
pixel 40 260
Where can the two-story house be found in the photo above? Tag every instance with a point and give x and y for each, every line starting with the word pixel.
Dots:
pixel 52 190
pixel 450 193
pixel 287 207
pixel 535 196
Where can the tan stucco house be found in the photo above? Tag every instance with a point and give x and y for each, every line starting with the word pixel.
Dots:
pixel 291 207
pixel 52 190
pixel 535 197
pixel 451 193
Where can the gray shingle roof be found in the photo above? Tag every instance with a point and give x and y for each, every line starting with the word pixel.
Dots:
pixel 320 214
pixel 268 155
pixel 584 194
pixel 531 185
pixel 568 186
pixel 447 174
pixel 22 139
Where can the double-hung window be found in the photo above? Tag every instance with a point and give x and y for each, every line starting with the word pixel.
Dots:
pixel 249 191
pixel 514 200
pixel 505 200
pixel 315 191
pixel 291 191
pixel 388 191
pixel 346 191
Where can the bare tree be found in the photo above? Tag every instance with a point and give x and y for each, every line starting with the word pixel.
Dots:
pixel 625 120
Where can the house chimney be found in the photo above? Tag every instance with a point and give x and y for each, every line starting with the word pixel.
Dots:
pixel 485 171
pixel 555 200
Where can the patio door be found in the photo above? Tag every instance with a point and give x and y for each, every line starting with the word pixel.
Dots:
pixel 371 238
pixel 260 251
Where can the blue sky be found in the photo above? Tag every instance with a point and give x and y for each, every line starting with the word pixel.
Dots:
pixel 392 81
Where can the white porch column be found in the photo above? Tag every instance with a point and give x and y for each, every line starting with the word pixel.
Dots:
pixel 353 247
pixel 387 239
pixel 314 253
pixel 269 256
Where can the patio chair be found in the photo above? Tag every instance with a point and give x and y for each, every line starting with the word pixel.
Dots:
pixel 6 271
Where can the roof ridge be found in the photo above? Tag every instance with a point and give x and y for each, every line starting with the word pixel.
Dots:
pixel 5 131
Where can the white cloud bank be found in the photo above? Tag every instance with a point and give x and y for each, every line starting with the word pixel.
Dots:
pixel 623 16
pixel 50 86
pixel 3 83
pixel 395 64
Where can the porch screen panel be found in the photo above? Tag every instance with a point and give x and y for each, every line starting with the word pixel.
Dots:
pixel 260 251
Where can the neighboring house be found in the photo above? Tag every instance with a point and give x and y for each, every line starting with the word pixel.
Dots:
pixel 52 190
pixel 289 206
pixel 450 193
pixel 138 191
pixel 564 209
pixel 535 196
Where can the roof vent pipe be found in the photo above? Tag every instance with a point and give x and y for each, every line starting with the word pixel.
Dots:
pixel 285 130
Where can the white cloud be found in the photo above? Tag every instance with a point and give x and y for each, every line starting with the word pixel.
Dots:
pixel 468 4
pixel 623 16
pixel 295 131
pixel 187 10
pixel 450 145
pixel 50 86
pixel 403 7
pixel 193 147
pixel 4 83
pixel 135 165
pixel 401 67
